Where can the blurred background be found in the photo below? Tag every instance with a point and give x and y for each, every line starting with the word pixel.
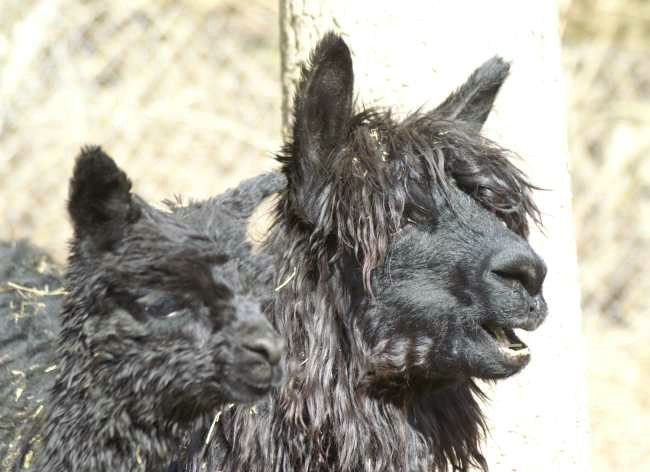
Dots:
pixel 185 94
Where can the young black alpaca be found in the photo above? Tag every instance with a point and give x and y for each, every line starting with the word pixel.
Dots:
pixel 155 333
pixel 402 272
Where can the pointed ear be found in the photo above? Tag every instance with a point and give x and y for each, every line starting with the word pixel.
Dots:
pixel 323 104
pixel 323 107
pixel 473 101
pixel 99 201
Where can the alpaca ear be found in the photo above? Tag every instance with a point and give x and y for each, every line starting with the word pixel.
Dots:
pixel 322 109
pixel 473 101
pixel 323 104
pixel 99 201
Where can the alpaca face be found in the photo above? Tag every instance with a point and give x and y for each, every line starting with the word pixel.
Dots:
pixel 449 296
pixel 426 218
pixel 156 304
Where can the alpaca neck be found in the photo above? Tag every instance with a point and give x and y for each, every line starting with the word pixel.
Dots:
pixel 323 419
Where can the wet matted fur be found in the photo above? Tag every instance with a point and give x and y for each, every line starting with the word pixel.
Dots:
pixel 402 270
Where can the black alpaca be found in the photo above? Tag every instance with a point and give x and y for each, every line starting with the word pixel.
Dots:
pixel 31 291
pixel 155 334
pixel 402 271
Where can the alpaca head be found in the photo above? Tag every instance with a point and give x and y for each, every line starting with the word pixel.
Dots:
pixel 425 221
pixel 156 312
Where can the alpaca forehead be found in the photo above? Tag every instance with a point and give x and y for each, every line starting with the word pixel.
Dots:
pixel 189 267
pixel 409 153
pixel 160 234
pixel 166 229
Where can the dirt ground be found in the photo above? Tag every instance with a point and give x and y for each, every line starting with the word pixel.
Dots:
pixel 197 82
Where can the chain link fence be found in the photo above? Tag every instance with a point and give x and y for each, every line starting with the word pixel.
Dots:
pixel 185 95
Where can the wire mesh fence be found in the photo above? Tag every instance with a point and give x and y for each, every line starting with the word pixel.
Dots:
pixel 184 95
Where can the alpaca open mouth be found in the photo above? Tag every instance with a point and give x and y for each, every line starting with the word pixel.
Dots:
pixel 508 343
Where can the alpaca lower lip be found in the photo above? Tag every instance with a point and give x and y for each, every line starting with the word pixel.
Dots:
pixel 244 391
pixel 260 387
pixel 259 378
pixel 255 389
pixel 508 344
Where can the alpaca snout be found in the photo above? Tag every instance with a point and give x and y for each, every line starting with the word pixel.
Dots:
pixel 515 263
pixel 261 352
pixel 537 312
pixel 269 348
pixel 261 347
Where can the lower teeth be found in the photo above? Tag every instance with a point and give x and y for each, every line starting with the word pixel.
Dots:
pixel 512 353
pixel 506 345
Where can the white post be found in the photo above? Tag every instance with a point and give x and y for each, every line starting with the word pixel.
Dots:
pixel 412 53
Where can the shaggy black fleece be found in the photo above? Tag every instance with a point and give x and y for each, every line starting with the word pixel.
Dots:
pixel 402 271
pixel 31 291
pixel 157 329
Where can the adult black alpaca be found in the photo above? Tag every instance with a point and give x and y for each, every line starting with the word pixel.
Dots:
pixel 155 333
pixel 402 271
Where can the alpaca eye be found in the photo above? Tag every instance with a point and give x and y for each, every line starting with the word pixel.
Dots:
pixel 161 305
pixel 165 308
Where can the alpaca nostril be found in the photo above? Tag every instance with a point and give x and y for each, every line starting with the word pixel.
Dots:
pixel 512 277
pixel 520 267
pixel 535 305
pixel 270 349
